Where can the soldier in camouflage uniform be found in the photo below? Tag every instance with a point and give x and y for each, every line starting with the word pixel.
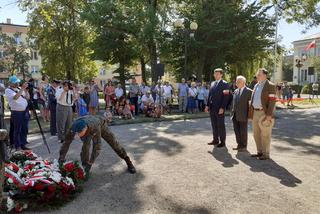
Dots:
pixel 92 127
pixel 3 138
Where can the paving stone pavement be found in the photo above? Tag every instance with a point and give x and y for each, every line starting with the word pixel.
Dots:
pixel 179 173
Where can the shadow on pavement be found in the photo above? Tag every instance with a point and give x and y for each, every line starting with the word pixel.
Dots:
pixel 271 168
pixel 222 155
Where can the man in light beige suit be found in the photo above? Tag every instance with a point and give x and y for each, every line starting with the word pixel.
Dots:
pixel 263 104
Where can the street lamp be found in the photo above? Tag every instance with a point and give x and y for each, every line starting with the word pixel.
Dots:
pixel 299 66
pixel 188 32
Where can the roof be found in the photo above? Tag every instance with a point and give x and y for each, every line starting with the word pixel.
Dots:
pixel 310 37
pixel 13 25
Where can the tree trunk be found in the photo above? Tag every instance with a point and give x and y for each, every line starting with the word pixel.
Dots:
pixel 122 77
pixel 143 69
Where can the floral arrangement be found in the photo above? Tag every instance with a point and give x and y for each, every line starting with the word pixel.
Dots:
pixel 30 180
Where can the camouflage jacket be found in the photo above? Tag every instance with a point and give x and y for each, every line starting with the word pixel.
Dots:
pixel 94 124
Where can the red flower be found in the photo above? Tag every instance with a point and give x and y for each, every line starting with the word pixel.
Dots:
pixel 69 167
pixel 51 188
pixel 39 186
pixel 80 174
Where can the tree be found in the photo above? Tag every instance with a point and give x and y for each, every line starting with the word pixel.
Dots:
pixel 231 35
pixel 62 38
pixel 15 54
pixel 302 11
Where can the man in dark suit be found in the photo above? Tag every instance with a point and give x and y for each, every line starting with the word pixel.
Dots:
pixel 217 103
pixel 239 114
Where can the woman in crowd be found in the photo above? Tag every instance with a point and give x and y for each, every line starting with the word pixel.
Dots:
pixel 192 94
pixel 94 97
pixel 109 94
pixel 202 94
pixel 43 98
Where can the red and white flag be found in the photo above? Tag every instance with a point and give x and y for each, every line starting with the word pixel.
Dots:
pixel 311 45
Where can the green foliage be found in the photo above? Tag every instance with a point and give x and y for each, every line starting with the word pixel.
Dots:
pixel 62 38
pixel 15 54
pixel 302 11
pixel 231 34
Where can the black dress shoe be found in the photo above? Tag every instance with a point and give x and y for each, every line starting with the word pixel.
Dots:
pixel 257 155
pixel 25 148
pixel 213 143
pixel 220 145
pixel 61 141
pixel 263 158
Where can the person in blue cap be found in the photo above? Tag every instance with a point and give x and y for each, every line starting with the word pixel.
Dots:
pixel 93 128
pixel 18 102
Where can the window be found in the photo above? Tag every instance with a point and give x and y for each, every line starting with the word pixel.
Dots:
pixel 102 71
pixel 34 55
pixel 34 69
pixel 18 39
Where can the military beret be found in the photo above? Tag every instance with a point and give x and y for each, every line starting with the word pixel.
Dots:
pixel 78 126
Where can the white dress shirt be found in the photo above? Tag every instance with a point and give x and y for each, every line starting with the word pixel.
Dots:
pixel 67 99
pixel 118 92
pixel 19 104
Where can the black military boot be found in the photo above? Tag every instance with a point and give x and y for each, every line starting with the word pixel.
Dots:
pixel 87 168
pixel 131 168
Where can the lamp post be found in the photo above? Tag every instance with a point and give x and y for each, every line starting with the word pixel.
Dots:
pixel 299 66
pixel 188 33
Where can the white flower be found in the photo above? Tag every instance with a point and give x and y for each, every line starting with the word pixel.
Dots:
pixel 10 181
pixel 10 204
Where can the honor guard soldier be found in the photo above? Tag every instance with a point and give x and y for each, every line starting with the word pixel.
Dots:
pixel 93 128
pixel 217 102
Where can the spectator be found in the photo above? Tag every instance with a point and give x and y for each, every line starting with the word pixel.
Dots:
pixel 82 107
pixel 253 83
pixel 285 91
pixel 315 89
pixel 146 100
pixel 18 102
pixel 86 96
pixel 134 91
pixel 144 88
pixel 160 93
pixel 167 92
pixel 119 92
pixel 153 90
pixel 183 95
pixel 279 90
pixel 202 96
pixel 110 94
pixel 94 97
pixel 53 106
pixel 290 96
pixel 192 94
pixel 65 99
pixel 108 115
pixel 43 99
pixel 126 113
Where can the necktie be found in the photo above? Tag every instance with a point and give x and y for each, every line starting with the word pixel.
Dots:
pixel 238 95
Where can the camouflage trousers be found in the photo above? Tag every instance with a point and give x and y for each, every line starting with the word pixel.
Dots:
pixel 1 180
pixel 109 137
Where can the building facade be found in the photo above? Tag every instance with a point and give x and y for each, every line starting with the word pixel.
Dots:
pixel 306 73
pixel 34 64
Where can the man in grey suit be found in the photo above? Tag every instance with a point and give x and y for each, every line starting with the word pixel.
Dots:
pixel 239 114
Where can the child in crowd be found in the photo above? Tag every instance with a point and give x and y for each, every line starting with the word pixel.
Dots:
pixel 86 96
pixel 127 110
pixel 82 106
pixel 108 115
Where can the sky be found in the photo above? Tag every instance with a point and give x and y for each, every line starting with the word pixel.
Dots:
pixel 288 32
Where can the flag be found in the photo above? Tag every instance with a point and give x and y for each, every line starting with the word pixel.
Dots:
pixel 311 45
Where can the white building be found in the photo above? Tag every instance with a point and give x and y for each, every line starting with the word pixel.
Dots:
pixel 307 72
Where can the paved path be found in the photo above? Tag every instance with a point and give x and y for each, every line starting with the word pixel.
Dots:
pixel 179 173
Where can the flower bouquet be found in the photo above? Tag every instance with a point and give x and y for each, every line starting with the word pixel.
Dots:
pixel 30 181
